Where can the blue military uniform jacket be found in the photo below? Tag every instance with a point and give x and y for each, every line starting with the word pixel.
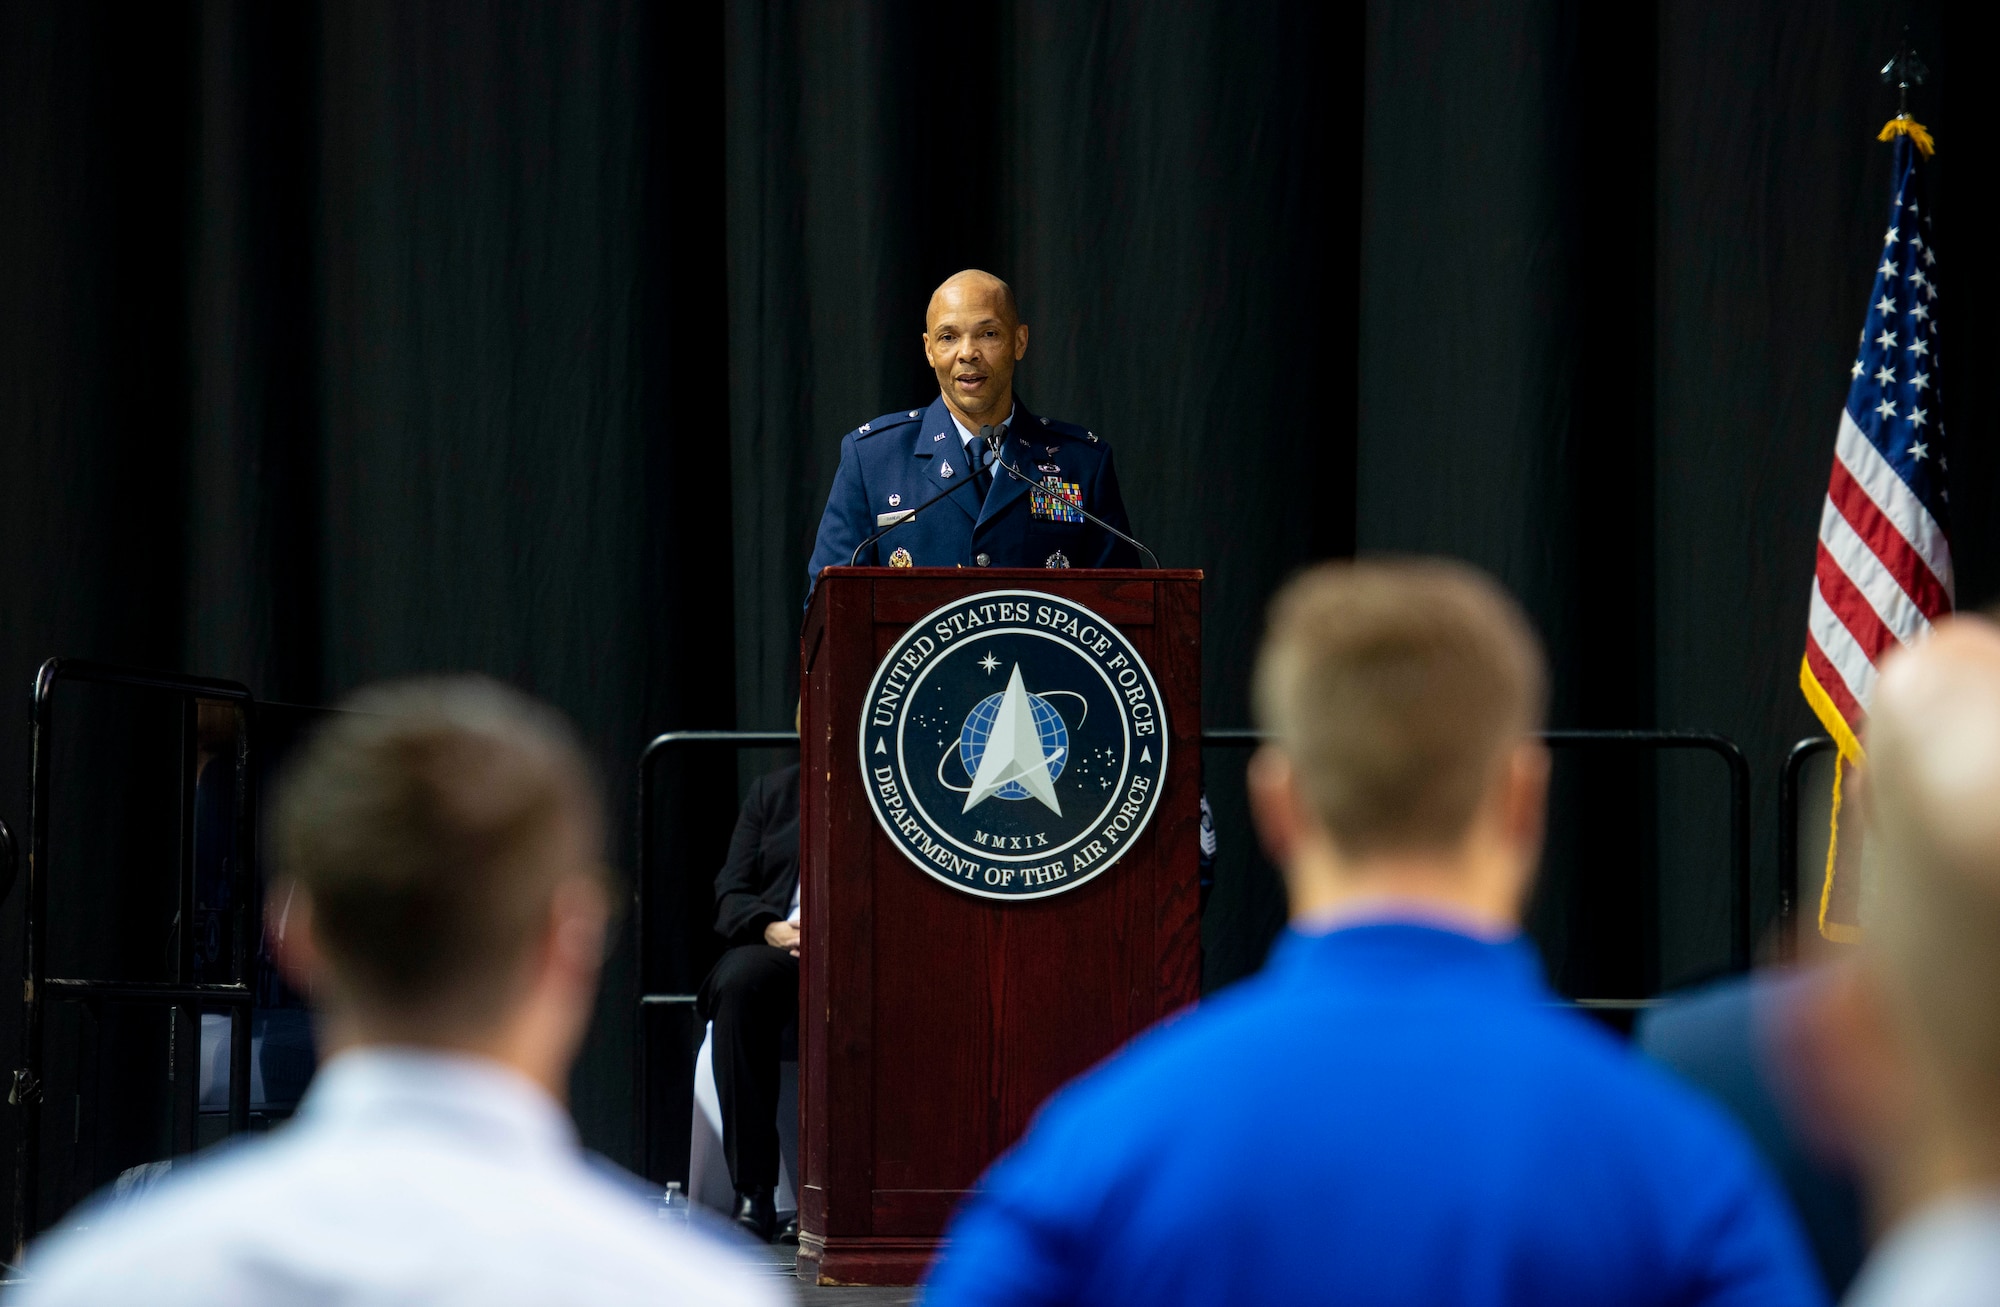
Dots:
pixel 899 460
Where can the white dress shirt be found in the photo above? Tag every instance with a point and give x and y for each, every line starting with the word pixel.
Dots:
pixel 1947 1255
pixel 966 436
pixel 408 1177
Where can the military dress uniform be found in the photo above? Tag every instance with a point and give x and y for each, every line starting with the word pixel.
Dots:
pixel 898 461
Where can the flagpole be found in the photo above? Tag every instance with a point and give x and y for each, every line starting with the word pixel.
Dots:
pixel 1905 70
pixel 1878 585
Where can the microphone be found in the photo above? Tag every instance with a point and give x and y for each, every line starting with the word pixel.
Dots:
pixel 910 516
pixel 992 439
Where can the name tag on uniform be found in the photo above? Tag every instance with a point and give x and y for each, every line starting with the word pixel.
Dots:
pixel 890 519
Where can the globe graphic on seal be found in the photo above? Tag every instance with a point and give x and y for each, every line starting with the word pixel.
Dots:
pixel 978 727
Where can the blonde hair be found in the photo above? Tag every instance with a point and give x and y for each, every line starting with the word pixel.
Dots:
pixel 1397 688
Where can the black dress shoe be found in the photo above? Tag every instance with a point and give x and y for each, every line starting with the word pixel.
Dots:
pixel 757 1213
pixel 789 1232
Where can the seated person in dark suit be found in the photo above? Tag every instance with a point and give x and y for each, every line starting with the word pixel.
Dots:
pixel 752 995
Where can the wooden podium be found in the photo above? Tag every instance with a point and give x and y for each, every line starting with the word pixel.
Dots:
pixel 933 1020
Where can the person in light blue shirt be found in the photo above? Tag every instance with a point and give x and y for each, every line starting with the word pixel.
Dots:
pixel 1396 1110
pixel 442 901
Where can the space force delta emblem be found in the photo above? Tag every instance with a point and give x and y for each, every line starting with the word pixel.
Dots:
pixel 1014 744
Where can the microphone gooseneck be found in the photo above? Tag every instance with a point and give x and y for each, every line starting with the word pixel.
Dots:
pixel 909 516
pixel 993 443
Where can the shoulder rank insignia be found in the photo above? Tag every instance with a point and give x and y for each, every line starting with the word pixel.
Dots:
pixel 1057 559
pixel 901 558
pixel 864 428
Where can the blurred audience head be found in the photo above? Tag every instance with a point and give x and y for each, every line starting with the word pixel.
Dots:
pixel 440 874
pixel 1931 799
pixel 1402 700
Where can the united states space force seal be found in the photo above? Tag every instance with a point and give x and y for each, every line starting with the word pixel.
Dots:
pixel 1014 744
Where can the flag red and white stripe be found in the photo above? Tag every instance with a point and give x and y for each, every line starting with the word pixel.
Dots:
pixel 1883 575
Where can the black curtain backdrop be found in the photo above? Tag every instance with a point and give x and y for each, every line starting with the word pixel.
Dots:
pixel 339 341
pixel 1172 191
pixel 1170 188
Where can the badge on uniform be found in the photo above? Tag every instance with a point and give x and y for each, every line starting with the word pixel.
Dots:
pixel 895 500
pixel 901 558
pixel 1049 468
pixel 945 471
pixel 1056 500
pixel 1057 559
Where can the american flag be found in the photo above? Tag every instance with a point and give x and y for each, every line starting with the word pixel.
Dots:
pixel 1884 570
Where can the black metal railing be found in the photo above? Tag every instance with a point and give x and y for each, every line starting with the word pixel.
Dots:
pixel 650 1000
pixel 7 861
pixel 1788 833
pixel 183 994
pixel 1742 925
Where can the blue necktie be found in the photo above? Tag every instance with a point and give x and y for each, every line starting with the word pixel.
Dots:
pixel 983 460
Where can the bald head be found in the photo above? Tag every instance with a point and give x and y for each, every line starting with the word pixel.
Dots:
pixel 1931 792
pixel 973 337
pixel 973 289
pixel 1934 753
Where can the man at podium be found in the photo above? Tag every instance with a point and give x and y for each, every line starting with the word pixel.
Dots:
pixel 927 482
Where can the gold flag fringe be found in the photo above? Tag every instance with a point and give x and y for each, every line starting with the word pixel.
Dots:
pixel 1904 125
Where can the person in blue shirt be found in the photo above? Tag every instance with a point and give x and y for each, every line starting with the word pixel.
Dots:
pixel 1397 1109
pixel 890 467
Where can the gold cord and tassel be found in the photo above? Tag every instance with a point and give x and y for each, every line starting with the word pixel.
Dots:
pixel 1904 125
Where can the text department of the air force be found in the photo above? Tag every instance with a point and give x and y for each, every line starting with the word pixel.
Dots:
pixel 1086 637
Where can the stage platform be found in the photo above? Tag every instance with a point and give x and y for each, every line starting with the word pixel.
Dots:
pixel 784 1261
